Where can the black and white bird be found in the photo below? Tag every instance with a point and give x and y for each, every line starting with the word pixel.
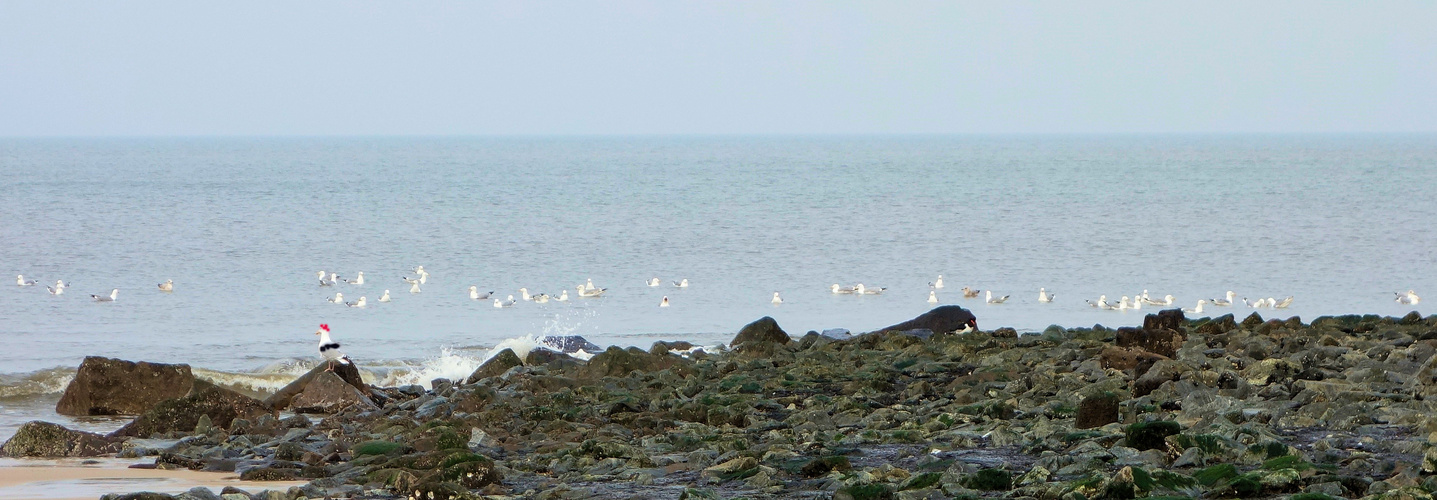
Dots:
pixel 58 289
pixel 20 280
pixel 998 300
pixel 861 290
pixel 358 280
pixel 106 298
pixel 329 349
pixel 358 303
pixel 167 286
pixel 683 283
pixel 385 297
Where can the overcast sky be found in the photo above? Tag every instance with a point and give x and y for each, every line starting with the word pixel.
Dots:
pixel 665 67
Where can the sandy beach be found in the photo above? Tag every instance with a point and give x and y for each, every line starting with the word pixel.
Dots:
pixel 90 478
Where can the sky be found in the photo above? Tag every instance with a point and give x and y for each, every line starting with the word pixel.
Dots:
pixel 200 68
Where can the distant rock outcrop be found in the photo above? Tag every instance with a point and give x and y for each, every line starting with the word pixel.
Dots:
pixel 942 319
pixel 221 406
pixel 107 386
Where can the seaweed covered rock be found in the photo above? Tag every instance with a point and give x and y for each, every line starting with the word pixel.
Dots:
pixel 617 362
pixel 183 414
pixel 44 439
pixel 494 366
pixel 108 386
pixel 765 329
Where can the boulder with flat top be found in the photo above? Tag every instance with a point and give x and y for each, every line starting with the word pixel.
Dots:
pixel 108 386
pixel 222 406
pixel 44 439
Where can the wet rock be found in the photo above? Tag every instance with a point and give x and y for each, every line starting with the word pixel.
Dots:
pixel 327 393
pixel 346 371
pixel 44 439
pixel 1120 358
pixel 1151 435
pixel 941 319
pixel 1161 372
pixel 1219 325
pixel 108 386
pixel 1097 410
pixel 143 495
pixel 1161 342
pixel 183 414
pixel 555 360
pixel 1167 319
pixel 765 329
pixel 617 362
pixel 495 366
pixel 569 344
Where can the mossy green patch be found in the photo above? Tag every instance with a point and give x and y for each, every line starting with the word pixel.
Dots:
pixel 921 481
pixel 1215 474
pixel 1151 435
pixel 866 492
pixel 1286 462
pixel 1208 443
pixel 989 480
pixel 1312 496
pixel 374 448
pixel 1172 480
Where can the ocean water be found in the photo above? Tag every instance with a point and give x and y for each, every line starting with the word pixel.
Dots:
pixel 243 224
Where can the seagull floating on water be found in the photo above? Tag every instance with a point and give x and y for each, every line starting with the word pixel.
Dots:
pixel 1408 298
pixel 505 303
pixel 524 292
pixel 1283 303
pixel 1225 301
pixel 653 282
pixel 595 292
pixel 542 298
pixel 358 280
pixel 841 289
pixel 859 289
pixel 665 302
pixel 167 286
pixel 474 293
pixel 385 297
pixel 969 293
pixel 414 288
pixel 932 297
pixel 998 300
pixel 776 300
pixel 683 283
pixel 588 284
pixel 20 280
pixel 1043 295
pixel 56 290
pixel 938 283
pixel 114 294
pixel 357 303
pixel 563 296
pixel 1167 301
pixel 329 349
pixel 338 298
pixel 1198 308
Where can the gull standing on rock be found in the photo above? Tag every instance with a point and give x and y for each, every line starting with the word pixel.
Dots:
pixel 998 300
pixel 114 294
pixel 167 286
pixel 329 349
pixel 776 300
pixel 20 280
pixel 1043 295
pixel 385 297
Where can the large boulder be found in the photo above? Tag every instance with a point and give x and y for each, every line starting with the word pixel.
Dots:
pixel 328 393
pixel 183 414
pixel 617 362
pixel 346 371
pixel 569 344
pixel 1162 341
pixel 107 386
pixel 763 330
pixel 494 366
pixel 44 439
pixel 942 319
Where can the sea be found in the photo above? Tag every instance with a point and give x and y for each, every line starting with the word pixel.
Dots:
pixel 243 225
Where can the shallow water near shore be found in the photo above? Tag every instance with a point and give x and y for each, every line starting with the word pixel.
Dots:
pixel 242 225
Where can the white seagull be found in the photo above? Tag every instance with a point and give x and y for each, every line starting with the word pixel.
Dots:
pixel 1224 302
pixel 683 283
pixel 1043 295
pixel 20 280
pixel 1167 301
pixel 506 303
pixel 932 297
pixel 524 292
pixel 859 289
pixel 1198 309
pixel 776 300
pixel 969 293
pixel 665 302
pixel 338 298
pixel 1284 303
pixel 542 298
pixel 589 284
pixel 385 297
pixel 563 296
pixel 591 293
pixel 938 283
pixel 414 288
pixel 329 349
pixel 167 286
pixel 357 303
pixel 474 293
pixel 653 282
pixel 358 280
pixel 839 289
pixel 114 294
pixel 998 300
pixel 58 289
pixel 1408 298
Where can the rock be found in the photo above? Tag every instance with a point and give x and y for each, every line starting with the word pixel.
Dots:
pixel 44 439
pixel 327 393
pixel 569 344
pixel 616 362
pixel 942 319
pixel 1219 325
pixel 1151 435
pixel 143 495
pixel 763 330
pixel 107 386
pixel 554 359
pixel 1161 342
pixel 183 414
pixel 496 365
pixel 1120 358
pixel 1162 371
pixel 1167 319
pixel 837 333
pixel 1252 321
pixel 730 469
pixel 347 371
pixel 199 493
pixel 1097 410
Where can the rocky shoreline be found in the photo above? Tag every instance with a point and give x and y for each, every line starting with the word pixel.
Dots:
pixel 1213 407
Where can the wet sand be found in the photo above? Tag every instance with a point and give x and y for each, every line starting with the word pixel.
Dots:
pixel 89 479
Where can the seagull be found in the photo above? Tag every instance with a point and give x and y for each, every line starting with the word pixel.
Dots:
pixel 542 298
pixel 1167 301
pixel 338 298
pixel 589 285
pixel 969 293
pixel 932 297
pixel 665 302
pixel 333 278
pixel 20 280
pixel 506 303
pixel 414 288
pixel 653 282
pixel 167 286
pixel 1101 303
pixel 329 349
pixel 1198 309
pixel 412 281
pixel 423 275
pixel 1123 304
pixel 1225 302
pixel 525 294
pixel 474 293
pixel 56 290
pixel 841 290
pixel 867 291
pixel 776 300
pixel 1258 304
pixel 563 296
pixel 385 297
pixel 1408 298
pixel 592 292
pixel 419 270
pixel 359 280
pixel 114 294
pixel 357 303
pixel 1284 303
pixel 321 275
pixel 937 283
pixel 61 284
pixel 998 300
pixel 683 283
pixel 1043 295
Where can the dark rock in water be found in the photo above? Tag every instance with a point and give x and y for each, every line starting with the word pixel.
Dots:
pixel 183 414
pixel 942 319
pixel 347 371
pixel 763 330
pixel 1098 410
pixel 1167 319
pixel 495 366
pixel 327 393
pixel 107 386
pixel 662 346
pixel 1163 342
pixel 569 344
pixel 619 362
pixel 44 439
pixel 551 359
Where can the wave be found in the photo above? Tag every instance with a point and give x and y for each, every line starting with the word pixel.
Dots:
pixel 36 383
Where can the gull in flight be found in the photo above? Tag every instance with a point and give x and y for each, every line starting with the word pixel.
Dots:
pixel 776 300
pixel 1198 309
pixel 506 303
pixel 357 303
pixel 932 297
pixel 1225 301
pixel 20 280
pixel 665 302
pixel 385 297
pixel 969 293
pixel 998 300
pixel 114 294
pixel 859 289
pixel 653 282
pixel 1043 295
pixel 338 298
pixel 167 286
pixel 683 283
pixel 840 289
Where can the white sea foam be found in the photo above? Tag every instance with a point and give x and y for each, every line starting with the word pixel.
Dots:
pixel 47 381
